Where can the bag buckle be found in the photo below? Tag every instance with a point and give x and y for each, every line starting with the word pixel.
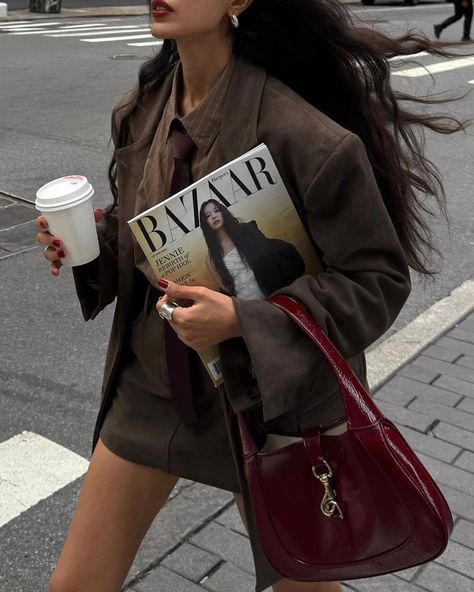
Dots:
pixel 329 506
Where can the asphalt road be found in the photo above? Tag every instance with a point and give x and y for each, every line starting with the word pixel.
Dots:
pixel 56 97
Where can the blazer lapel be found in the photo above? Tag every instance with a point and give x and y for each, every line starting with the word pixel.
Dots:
pixel 144 123
pixel 130 163
pixel 240 117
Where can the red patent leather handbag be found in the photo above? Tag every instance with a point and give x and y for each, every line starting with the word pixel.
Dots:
pixel 341 507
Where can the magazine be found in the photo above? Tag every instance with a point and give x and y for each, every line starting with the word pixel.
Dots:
pixel 236 230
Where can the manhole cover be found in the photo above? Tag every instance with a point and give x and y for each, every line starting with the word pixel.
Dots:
pixel 17 227
pixel 126 56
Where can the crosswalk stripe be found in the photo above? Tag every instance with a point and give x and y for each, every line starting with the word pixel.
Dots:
pixel 100 28
pixel 436 68
pixel 131 37
pixel 33 468
pixel 412 9
pixel 65 30
pixel 409 56
pixel 28 26
pixel 101 32
pixel 470 81
pixel 125 28
pixel 83 26
pixel 145 43
pixel 16 23
pixel 30 32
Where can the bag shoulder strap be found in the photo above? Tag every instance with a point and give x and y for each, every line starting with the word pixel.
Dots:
pixel 361 411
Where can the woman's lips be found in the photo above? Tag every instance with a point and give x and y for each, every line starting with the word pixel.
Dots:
pixel 160 8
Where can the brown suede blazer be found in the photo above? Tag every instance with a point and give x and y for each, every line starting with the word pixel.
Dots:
pixel 355 299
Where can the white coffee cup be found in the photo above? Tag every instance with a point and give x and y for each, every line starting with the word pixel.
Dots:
pixel 66 203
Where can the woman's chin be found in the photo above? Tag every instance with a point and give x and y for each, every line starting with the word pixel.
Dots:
pixel 161 32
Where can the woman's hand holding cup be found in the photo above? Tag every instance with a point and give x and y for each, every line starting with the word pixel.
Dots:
pixel 54 249
pixel 66 206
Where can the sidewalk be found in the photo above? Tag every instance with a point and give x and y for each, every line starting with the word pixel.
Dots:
pixel 432 401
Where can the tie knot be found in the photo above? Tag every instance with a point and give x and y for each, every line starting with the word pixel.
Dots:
pixel 182 143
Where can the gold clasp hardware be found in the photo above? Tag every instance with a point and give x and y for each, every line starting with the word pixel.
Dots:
pixel 329 506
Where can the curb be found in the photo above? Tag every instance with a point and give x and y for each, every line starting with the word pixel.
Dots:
pixel 99 12
pixel 402 347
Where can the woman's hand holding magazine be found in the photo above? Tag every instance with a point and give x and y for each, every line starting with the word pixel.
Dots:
pixel 208 321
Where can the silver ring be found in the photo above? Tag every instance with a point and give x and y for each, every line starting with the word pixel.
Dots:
pixel 167 310
pixel 45 249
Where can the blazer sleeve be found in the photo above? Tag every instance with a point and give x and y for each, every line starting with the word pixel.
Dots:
pixel 354 300
pixel 96 282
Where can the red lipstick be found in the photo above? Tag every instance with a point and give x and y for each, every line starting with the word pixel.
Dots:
pixel 160 8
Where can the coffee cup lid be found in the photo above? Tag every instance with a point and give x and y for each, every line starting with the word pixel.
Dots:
pixel 62 193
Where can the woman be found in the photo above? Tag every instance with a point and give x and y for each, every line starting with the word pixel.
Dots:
pixel 314 86
pixel 243 260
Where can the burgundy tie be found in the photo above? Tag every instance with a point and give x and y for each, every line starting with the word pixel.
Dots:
pixel 183 149
pixel 177 355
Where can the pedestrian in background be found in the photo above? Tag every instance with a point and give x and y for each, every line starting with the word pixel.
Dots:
pixel 312 83
pixel 461 8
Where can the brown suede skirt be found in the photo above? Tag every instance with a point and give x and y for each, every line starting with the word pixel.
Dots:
pixel 145 428
pixel 143 425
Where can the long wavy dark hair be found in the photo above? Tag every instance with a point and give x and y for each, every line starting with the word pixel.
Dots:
pixel 232 226
pixel 341 66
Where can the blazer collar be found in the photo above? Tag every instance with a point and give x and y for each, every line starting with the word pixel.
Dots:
pixel 238 132
pixel 145 121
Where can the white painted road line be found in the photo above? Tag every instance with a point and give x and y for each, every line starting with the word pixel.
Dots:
pixel 28 25
pixel 149 36
pixel 410 56
pixel 62 25
pixel 145 43
pixel 83 26
pixel 16 23
pixel 41 30
pixel 29 32
pixel 31 469
pixel 38 31
pixel 412 9
pixel 102 32
pixel 436 68
pixel 404 345
pixel 470 81
pixel 125 29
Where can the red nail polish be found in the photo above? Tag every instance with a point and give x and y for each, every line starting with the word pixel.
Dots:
pixel 61 254
pixel 163 284
pixel 43 224
pixel 56 243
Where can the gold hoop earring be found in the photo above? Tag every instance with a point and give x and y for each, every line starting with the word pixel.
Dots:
pixel 234 21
